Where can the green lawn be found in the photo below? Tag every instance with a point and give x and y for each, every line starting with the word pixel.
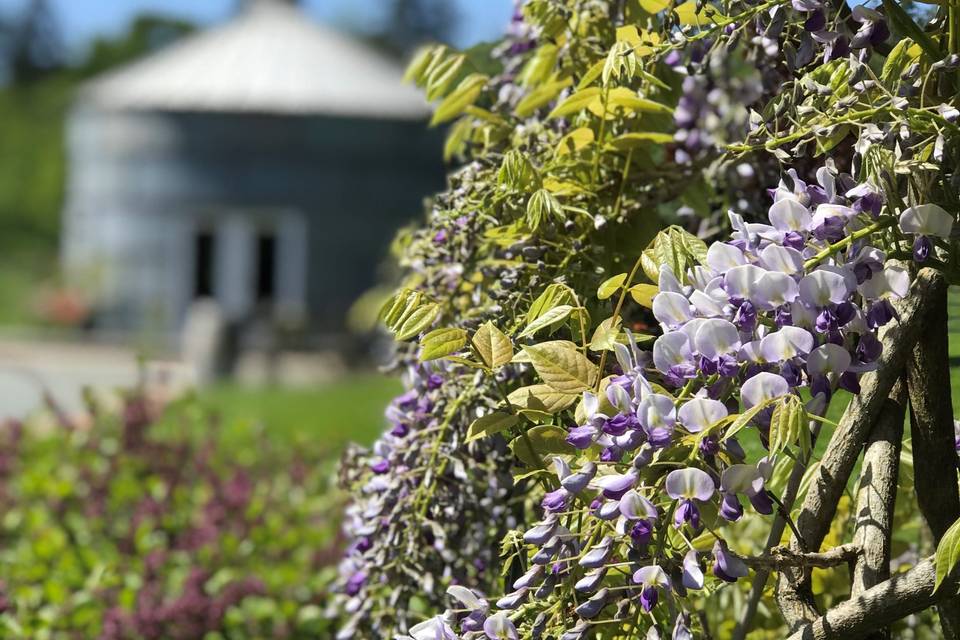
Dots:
pixel 323 418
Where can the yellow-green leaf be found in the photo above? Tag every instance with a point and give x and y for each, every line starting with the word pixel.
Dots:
pixel 592 74
pixel 654 6
pixel 490 424
pixel 575 103
pixel 562 366
pixel 948 554
pixel 492 346
pixel 441 342
pixel 540 96
pixel 540 397
pixel 456 137
pixel 606 335
pixel 418 321
pixel 575 140
pixel 643 294
pixel 540 443
pixel 785 423
pixel 742 420
pixel 633 140
pixel 420 62
pixel 555 294
pixel 460 98
pixel 627 99
pixel 554 316
pixel 687 14
pixel 440 77
pixel 611 285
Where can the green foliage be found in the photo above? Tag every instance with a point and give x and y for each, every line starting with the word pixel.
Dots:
pixel 610 147
pixel 142 524
pixel 948 554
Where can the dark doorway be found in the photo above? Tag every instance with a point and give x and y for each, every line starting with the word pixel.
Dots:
pixel 204 249
pixel 266 265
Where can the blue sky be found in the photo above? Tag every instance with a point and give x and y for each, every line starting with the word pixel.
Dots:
pixel 80 20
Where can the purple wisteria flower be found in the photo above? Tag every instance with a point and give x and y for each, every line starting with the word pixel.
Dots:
pixel 772 313
pixel 689 486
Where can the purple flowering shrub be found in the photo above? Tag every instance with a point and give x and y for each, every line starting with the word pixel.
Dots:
pixel 685 239
pixel 136 526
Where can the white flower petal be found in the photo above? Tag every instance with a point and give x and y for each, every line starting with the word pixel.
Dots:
pixel 928 220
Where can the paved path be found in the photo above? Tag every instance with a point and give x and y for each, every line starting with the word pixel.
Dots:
pixel 29 368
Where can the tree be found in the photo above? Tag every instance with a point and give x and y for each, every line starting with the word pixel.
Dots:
pixel 32 44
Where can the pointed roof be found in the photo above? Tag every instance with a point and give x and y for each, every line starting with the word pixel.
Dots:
pixel 269 59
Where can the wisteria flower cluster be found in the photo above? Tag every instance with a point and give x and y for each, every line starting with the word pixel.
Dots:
pixel 777 313
pixel 463 515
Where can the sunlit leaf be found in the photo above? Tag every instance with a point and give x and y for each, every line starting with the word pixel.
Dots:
pixel 562 366
pixel 611 285
pixel 460 98
pixel 541 397
pixel 441 342
pixel 492 346
pixel 490 424
pixel 540 443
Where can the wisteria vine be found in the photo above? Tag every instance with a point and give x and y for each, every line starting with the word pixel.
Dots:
pixel 603 474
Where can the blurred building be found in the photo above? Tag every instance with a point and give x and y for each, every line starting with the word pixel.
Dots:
pixel 265 163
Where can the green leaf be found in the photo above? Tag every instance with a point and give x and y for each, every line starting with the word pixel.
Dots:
pixel 689 14
pixel 441 342
pixel 575 103
pixel 902 21
pixel 742 420
pixel 786 423
pixel 541 206
pixel 554 316
pixel 418 320
pixel 406 315
pixel 649 264
pixel 464 361
pixel 517 172
pixel 574 141
pixel 492 346
pixel 654 6
pixel 629 141
pixel 620 59
pixel 541 397
pixel 695 247
pixel 948 554
pixel 540 97
pixel 833 136
pixel 456 137
pixel 899 58
pixel 545 440
pixel 442 76
pixel 627 99
pixel 606 335
pixel 643 294
pixel 562 366
pixel 420 62
pixel 401 303
pixel 460 98
pixel 675 248
pixel 539 66
pixel 611 285
pixel 591 74
pixel 490 424
pixel 554 295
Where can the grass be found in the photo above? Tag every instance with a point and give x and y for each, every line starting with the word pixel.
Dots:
pixel 323 418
